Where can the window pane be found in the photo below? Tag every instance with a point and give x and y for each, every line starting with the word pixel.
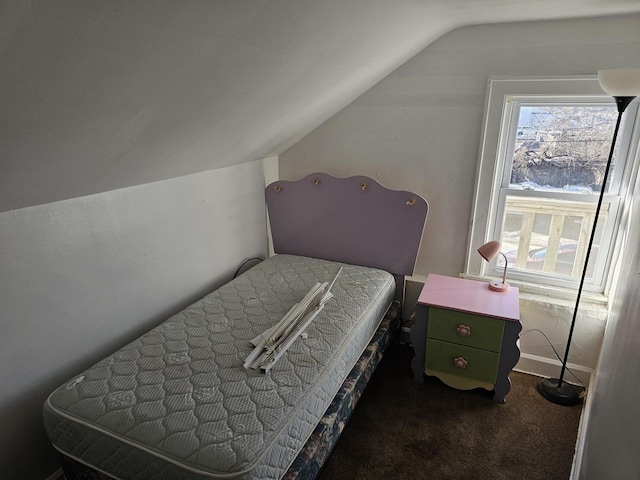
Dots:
pixel 550 235
pixel 562 147
pixel 551 146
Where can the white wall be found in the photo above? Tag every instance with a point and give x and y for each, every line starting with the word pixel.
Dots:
pixel 609 443
pixel 81 277
pixel 102 95
pixel 98 95
pixel 419 129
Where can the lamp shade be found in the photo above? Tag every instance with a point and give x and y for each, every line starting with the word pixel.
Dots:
pixel 489 250
pixel 620 82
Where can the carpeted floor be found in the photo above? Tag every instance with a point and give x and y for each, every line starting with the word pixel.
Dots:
pixel 403 430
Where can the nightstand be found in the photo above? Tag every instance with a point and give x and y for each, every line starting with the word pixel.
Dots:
pixel 466 335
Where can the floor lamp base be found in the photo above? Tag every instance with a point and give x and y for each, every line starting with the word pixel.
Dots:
pixel 566 394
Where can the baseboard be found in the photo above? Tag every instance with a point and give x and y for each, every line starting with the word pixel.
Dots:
pixel 550 368
pixel 581 442
pixel 55 475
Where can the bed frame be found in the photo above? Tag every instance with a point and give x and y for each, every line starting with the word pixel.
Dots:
pixel 352 220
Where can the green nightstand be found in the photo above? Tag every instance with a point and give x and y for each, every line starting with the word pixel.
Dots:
pixel 466 334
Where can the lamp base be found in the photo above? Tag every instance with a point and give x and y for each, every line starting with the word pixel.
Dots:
pixel 499 286
pixel 566 394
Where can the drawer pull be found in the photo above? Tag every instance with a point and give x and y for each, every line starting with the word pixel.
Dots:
pixel 459 362
pixel 464 330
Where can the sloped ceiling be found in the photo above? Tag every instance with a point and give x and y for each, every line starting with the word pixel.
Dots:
pixel 97 95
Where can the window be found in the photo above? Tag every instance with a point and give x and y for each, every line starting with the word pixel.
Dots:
pixel 543 155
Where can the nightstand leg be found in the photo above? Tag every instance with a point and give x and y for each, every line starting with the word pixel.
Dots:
pixel 419 342
pixel 509 356
pixel 503 386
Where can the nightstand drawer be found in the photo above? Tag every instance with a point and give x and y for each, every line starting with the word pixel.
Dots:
pixel 478 364
pixel 451 326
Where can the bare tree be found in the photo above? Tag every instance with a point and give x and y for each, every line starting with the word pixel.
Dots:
pixel 563 146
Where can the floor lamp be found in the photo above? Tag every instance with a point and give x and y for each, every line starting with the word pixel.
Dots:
pixel 623 84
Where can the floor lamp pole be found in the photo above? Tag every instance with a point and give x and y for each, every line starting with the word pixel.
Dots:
pixel 554 389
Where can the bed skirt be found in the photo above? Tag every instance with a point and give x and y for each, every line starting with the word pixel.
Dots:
pixel 319 445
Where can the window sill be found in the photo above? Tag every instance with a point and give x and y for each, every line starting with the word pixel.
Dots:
pixel 549 293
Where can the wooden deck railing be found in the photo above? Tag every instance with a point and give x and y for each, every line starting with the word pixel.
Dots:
pixel 527 238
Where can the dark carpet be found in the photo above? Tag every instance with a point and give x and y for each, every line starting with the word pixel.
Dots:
pixel 405 430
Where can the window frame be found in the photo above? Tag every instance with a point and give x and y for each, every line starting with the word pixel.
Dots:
pixel 488 202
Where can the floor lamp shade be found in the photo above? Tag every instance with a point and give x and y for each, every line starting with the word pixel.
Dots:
pixel 623 84
pixel 620 82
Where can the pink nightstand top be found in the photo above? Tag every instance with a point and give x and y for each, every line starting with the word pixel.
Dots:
pixel 470 296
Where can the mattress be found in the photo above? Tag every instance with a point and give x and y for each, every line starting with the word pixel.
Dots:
pixel 177 404
pixel 320 443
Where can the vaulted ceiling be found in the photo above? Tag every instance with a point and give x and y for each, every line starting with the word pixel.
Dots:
pixel 97 95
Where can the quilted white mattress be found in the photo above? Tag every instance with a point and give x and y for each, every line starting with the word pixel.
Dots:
pixel 177 404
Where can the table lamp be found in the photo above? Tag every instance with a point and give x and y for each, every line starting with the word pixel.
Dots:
pixel 488 251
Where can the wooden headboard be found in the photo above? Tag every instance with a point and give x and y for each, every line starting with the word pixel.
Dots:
pixel 353 220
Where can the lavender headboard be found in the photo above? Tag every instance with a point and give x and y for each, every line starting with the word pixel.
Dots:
pixel 353 220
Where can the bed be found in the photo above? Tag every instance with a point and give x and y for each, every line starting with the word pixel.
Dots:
pixel 177 403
